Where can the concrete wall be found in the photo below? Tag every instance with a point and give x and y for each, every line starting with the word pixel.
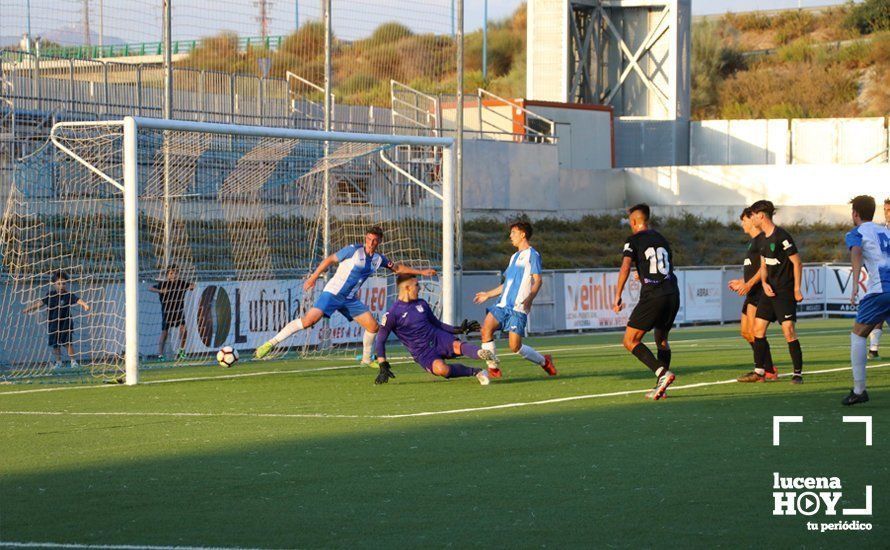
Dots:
pixel 585 135
pixel 739 142
pixel 643 142
pixel 527 178
pixel 773 141
pixel 821 192
pixel 838 140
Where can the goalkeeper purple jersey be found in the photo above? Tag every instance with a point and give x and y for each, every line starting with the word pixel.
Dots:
pixel 415 325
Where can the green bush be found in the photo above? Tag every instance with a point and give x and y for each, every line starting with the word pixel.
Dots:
pixel 869 16
pixel 754 21
pixel 791 25
pixel 388 33
pixel 712 62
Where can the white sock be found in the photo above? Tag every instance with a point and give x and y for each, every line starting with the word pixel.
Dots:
pixel 874 339
pixel 367 346
pixel 490 347
pixel 858 357
pixel 529 353
pixel 290 328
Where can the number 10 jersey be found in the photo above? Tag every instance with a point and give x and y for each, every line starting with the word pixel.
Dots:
pixel 651 252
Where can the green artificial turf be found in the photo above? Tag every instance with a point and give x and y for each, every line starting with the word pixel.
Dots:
pixel 301 457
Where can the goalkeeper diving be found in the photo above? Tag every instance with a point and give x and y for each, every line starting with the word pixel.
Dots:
pixel 429 340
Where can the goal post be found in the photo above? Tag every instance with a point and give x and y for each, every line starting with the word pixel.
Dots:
pixel 242 211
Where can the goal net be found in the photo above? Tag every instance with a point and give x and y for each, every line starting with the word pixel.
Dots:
pixel 146 243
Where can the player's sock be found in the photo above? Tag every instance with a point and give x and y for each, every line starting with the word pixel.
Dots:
pixel 367 345
pixel 858 358
pixel 644 354
pixel 760 346
pixel 489 346
pixel 290 328
pixel 531 354
pixel 768 364
pixel 456 370
pixel 664 355
pixel 796 356
pixel 874 340
pixel 469 350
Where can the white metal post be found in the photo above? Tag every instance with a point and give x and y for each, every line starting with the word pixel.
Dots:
pixel 328 88
pixel 447 275
pixel 131 251
pixel 168 113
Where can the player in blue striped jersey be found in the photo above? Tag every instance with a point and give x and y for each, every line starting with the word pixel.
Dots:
pixel 869 245
pixel 522 281
pixel 355 264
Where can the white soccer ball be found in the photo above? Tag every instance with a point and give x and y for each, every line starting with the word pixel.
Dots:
pixel 227 356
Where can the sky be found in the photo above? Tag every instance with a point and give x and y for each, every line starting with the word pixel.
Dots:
pixel 134 21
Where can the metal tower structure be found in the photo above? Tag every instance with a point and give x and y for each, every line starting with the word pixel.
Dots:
pixel 633 55
pixel 630 54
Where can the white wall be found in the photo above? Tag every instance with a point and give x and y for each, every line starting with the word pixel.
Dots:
pixel 502 178
pixel 512 177
pixel 838 140
pixel 819 192
pixel 585 136
pixel 739 142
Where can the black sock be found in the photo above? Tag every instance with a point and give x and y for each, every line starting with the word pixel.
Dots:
pixel 664 355
pixel 760 346
pixel 768 357
pixel 796 356
pixel 645 356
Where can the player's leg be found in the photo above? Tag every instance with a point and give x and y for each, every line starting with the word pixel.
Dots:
pixel 764 315
pixel 766 370
pixel 874 341
pixel 516 326
pixel 790 333
pixel 71 356
pixel 633 342
pixel 642 320
pixel 873 310
pixel 669 307
pixel 183 338
pixel 786 310
pixel 490 324
pixel 310 318
pixel 57 355
pixel 369 323
pixel 53 342
pixel 858 358
pixel 162 343
pixel 454 370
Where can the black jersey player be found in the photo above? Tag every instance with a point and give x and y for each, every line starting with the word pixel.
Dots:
pixel 780 274
pixel 751 288
pixel 659 296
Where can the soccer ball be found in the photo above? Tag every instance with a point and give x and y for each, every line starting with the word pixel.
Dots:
pixel 227 356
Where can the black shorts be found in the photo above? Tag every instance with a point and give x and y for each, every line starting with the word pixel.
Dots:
pixel 781 307
pixel 59 335
pixel 751 299
pixel 655 312
pixel 171 319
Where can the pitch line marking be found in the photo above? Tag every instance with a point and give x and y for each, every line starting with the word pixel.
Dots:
pixel 354 366
pixel 405 415
pixel 112 546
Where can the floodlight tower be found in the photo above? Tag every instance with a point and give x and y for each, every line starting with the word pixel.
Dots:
pixel 630 54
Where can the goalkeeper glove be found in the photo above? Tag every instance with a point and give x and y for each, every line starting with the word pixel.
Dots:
pixel 385 373
pixel 467 326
